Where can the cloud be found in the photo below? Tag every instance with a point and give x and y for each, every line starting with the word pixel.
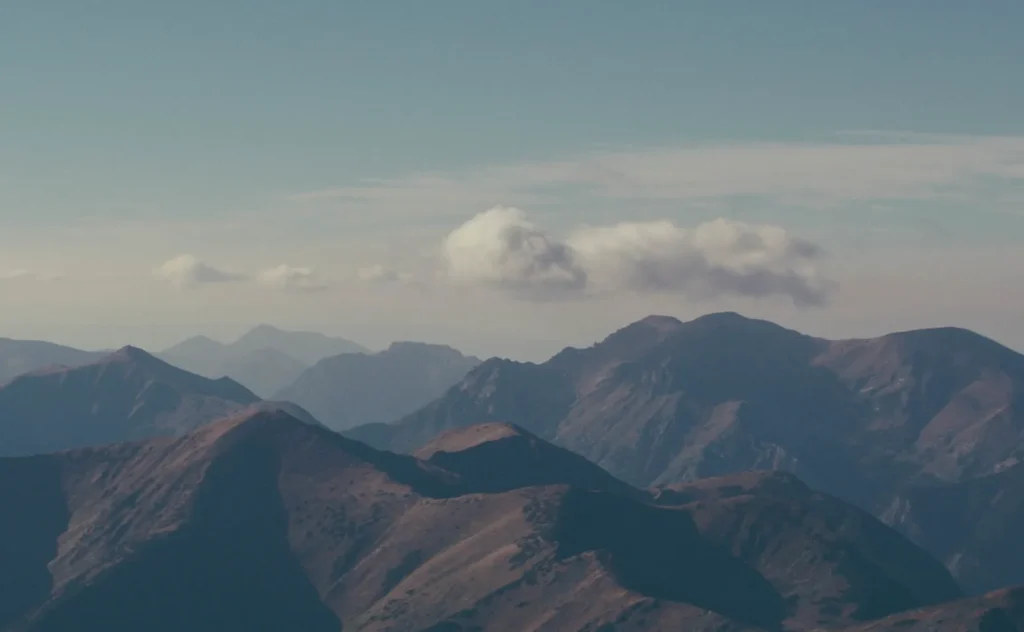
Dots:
pixel 186 271
pixel 21 274
pixel 501 249
pixel 846 167
pixel 717 258
pixel 292 279
pixel 14 274
pixel 382 275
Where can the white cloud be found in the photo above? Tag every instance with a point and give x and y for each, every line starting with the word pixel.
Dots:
pixel 292 279
pixel 382 275
pixel 717 258
pixel 501 249
pixel 186 271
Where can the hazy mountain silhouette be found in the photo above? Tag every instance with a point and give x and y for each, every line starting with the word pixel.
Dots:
pixel 262 522
pixel 265 359
pixel 126 395
pixel 661 401
pixel 25 356
pixel 305 346
pixel 356 388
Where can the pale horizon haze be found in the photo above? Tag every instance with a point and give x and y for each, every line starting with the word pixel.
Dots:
pixel 508 179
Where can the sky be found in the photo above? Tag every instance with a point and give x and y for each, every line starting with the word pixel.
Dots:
pixel 508 178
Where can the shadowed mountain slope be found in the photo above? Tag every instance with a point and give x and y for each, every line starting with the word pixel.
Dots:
pixel 262 522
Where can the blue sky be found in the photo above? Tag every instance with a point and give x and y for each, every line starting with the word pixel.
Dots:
pixel 333 137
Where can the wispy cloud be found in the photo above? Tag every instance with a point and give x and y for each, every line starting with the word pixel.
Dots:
pixel 188 272
pixel 382 275
pixel 867 166
pixel 21 274
pixel 292 278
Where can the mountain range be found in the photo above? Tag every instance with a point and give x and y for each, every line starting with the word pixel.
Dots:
pixel 720 474
pixel 264 359
pixel 882 422
pixel 350 389
pixel 263 522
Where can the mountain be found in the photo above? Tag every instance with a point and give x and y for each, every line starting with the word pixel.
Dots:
pixel 307 347
pixel 126 395
pixel 662 401
pixel 355 388
pixel 262 522
pixel 25 356
pixel 265 359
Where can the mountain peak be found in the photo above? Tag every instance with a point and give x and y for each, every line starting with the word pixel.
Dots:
pixel 660 322
pixel 722 318
pixel 426 349
pixel 947 338
pixel 134 354
pixel 641 334
pixel 264 328
pixel 733 321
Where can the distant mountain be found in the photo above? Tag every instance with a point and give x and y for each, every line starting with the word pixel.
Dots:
pixel 305 346
pixel 127 395
pixel 262 522
pixel 662 401
pixel 265 359
pixel 25 356
pixel 356 388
